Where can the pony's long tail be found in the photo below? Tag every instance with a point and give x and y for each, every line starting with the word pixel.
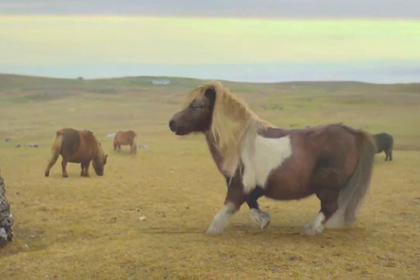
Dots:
pixel 55 151
pixel 352 196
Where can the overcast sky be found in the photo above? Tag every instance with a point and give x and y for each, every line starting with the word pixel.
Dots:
pixel 49 38
pixel 221 8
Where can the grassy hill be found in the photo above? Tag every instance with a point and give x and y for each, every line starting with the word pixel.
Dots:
pixel 89 228
pixel 363 105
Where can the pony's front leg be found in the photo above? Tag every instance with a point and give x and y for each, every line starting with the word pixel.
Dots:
pixel 64 168
pixel 261 217
pixel 85 169
pixel 234 199
pixel 133 149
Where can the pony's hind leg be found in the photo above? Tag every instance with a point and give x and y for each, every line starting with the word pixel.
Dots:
pixel 388 154
pixel 329 205
pixel 261 217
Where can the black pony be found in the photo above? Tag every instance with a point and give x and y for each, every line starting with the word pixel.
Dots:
pixel 384 143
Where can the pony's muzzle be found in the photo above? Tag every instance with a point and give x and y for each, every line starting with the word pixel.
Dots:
pixel 172 125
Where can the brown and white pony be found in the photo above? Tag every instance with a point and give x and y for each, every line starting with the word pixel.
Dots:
pixel 77 146
pixel 128 137
pixel 334 161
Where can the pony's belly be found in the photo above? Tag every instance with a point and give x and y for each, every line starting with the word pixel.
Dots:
pixel 279 192
pixel 79 159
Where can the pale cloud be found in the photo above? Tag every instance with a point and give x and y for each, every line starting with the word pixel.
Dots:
pixel 239 49
pixel 46 40
pixel 219 8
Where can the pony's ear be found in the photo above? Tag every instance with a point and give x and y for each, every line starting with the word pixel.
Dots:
pixel 210 93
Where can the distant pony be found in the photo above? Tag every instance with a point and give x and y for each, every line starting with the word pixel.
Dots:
pixel 334 161
pixel 128 137
pixel 77 146
pixel 384 143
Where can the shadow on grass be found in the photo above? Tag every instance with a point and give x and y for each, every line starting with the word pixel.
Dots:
pixel 271 233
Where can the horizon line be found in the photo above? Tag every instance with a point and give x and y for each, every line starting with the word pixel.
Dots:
pixel 207 79
pixel 283 18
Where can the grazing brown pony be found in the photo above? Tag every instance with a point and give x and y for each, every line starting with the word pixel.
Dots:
pixel 128 137
pixel 77 146
pixel 334 161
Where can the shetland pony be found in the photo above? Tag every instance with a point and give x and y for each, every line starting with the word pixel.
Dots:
pixel 128 137
pixel 77 146
pixel 334 161
pixel 384 143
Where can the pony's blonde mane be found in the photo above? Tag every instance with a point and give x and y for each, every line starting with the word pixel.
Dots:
pixel 232 121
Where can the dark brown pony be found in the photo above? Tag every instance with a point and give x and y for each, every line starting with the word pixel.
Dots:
pixel 77 146
pixel 128 137
pixel 334 161
pixel 384 143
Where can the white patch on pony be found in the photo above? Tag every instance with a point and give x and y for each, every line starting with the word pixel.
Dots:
pixel 260 157
pixel 316 226
pixel 221 220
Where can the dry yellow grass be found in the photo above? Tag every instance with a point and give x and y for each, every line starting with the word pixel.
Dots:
pixel 89 228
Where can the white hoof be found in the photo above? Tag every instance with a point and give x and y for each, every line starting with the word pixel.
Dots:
pixel 221 220
pixel 215 228
pixel 263 218
pixel 311 230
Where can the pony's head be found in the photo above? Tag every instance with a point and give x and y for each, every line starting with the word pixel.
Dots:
pixel 212 108
pixel 99 160
pixel 196 116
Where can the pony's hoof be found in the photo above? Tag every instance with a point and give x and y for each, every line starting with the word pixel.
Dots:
pixel 65 176
pixel 47 174
pixel 265 224
pixel 263 218
pixel 215 229
pixel 310 230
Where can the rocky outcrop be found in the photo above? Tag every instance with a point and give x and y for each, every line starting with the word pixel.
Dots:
pixel 6 218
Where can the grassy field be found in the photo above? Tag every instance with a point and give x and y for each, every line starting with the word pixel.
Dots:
pixel 89 228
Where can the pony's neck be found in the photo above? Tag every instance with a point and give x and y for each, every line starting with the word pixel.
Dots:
pixel 214 150
pixel 98 153
pixel 226 161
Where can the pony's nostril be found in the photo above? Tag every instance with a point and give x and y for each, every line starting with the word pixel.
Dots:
pixel 172 126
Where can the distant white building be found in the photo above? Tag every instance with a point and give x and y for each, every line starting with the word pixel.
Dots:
pixel 160 82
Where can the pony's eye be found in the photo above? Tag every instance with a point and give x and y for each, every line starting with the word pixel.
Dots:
pixel 197 105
